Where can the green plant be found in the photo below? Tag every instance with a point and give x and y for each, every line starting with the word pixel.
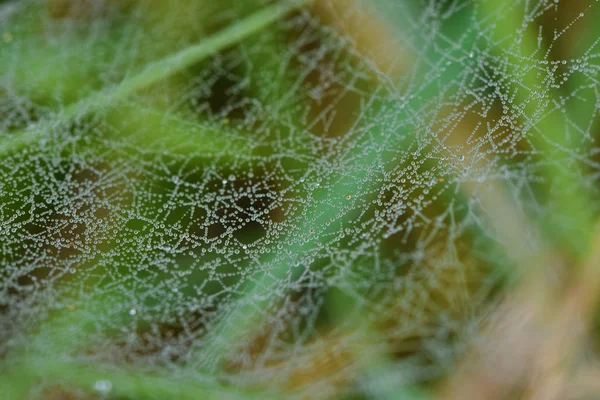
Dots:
pixel 320 198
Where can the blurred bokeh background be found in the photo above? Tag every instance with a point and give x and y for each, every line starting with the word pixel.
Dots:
pixel 378 199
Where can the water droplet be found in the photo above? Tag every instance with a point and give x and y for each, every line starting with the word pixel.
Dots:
pixel 103 386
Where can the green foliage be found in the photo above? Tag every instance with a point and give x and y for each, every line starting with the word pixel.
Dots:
pixel 195 193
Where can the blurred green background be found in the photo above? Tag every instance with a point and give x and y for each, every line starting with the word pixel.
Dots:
pixel 315 199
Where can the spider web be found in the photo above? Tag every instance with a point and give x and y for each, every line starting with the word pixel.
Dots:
pixel 381 162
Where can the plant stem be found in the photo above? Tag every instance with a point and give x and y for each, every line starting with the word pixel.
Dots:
pixel 123 383
pixel 155 72
pixel 544 128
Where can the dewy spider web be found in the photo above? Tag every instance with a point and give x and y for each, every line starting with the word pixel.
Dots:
pixel 233 197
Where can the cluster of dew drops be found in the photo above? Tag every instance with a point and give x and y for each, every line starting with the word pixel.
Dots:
pixel 159 244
